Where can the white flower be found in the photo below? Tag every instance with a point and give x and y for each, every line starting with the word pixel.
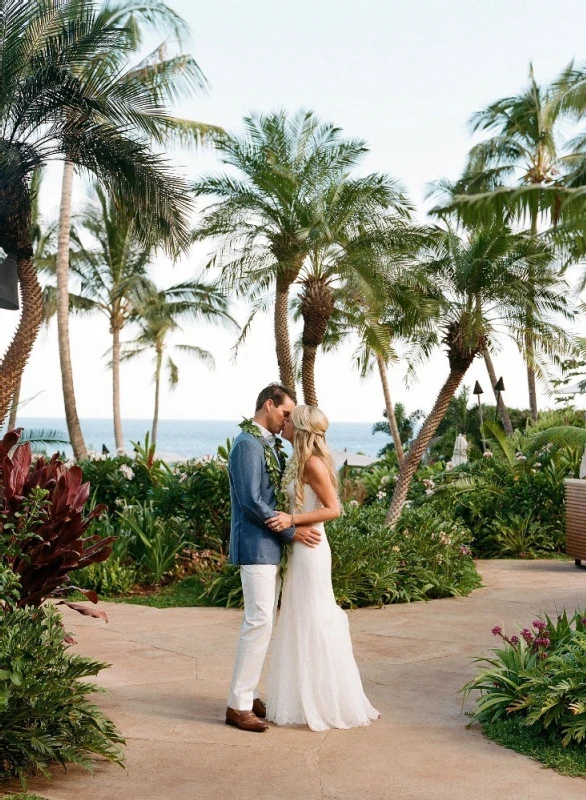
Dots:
pixel 381 495
pixel 444 538
pixel 429 491
pixel 408 503
pixel 521 457
pixel 119 501
pixel 353 503
pixel 384 479
pixel 429 483
pixel 488 454
pixel 120 451
pixel 396 548
pixel 395 478
pixel 439 558
pixel 127 471
pixel 537 464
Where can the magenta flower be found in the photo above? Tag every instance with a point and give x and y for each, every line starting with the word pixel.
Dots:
pixel 539 624
pixel 527 635
pixel 514 640
pixel 583 620
pixel 496 631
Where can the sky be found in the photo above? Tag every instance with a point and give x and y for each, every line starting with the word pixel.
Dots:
pixel 405 75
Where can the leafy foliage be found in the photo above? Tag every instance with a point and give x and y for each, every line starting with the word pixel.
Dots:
pixel 538 675
pixel 45 716
pixel 42 526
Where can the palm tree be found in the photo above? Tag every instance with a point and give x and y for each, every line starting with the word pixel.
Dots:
pixel 264 214
pixel 112 276
pixel 524 148
pixel 51 109
pixel 161 78
pixel 480 285
pixel 159 315
pixel 360 225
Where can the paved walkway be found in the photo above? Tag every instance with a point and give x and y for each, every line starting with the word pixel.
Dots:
pixel 170 675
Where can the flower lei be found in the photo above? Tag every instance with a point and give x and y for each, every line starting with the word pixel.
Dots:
pixel 273 468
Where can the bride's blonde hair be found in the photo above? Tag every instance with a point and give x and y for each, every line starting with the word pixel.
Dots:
pixel 309 439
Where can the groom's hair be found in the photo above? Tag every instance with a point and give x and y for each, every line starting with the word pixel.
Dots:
pixel 277 392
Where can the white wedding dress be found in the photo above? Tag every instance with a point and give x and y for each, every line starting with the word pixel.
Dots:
pixel 313 678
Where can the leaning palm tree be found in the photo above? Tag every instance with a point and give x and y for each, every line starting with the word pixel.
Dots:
pixel 162 80
pixel 524 149
pixel 159 315
pixel 263 215
pixel 480 286
pixel 112 276
pixel 51 109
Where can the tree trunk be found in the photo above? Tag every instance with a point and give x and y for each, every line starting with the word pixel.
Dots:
pixel 382 368
pixel 14 406
pixel 157 391
pixel 282 341
pixel 308 375
pixel 118 435
pixel 419 446
pixel 502 409
pixel 529 347
pixel 62 270
pixel 19 350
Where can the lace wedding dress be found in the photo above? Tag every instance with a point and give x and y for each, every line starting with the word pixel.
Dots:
pixel 313 678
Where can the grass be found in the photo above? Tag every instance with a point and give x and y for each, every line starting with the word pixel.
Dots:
pixel 187 592
pixel 23 796
pixel 510 733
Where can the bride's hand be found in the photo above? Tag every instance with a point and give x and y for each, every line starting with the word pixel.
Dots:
pixel 279 522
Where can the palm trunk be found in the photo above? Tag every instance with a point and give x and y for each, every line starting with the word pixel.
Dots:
pixel 502 409
pixel 382 368
pixel 419 446
pixel 529 347
pixel 14 406
pixel 157 392
pixel 19 350
pixel 308 374
pixel 282 341
pixel 62 270
pixel 118 435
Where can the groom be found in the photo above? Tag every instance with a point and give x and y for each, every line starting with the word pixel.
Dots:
pixel 257 549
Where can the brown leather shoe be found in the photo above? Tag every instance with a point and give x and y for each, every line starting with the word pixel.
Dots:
pixel 259 708
pixel 245 720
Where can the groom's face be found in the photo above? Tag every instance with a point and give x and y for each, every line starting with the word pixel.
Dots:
pixel 277 415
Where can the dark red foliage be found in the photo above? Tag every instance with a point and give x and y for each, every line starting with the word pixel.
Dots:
pixel 59 544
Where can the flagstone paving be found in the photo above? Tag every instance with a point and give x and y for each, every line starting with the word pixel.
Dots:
pixel 169 679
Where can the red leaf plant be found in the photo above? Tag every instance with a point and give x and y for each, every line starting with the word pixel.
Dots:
pixel 43 559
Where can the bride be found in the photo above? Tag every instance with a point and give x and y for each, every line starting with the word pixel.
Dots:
pixel 313 678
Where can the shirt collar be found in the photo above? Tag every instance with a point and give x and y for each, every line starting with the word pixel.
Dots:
pixel 270 437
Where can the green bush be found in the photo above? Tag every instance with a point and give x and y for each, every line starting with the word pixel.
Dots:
pixel 539 676
pixel 45 717
pixel 425 556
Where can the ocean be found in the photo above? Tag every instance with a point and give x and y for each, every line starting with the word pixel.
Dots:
pixel 189 438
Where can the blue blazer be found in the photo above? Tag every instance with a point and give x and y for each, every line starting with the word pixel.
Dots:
pixel 253 501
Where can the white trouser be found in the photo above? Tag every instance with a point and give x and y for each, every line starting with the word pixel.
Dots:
pixel 260 585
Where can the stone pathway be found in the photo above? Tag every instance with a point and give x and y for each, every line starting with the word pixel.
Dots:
pixel 169 681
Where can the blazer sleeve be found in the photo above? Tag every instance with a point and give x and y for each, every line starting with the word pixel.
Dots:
pixel 246 471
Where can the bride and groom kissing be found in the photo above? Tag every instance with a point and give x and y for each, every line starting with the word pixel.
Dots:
pixel 312 678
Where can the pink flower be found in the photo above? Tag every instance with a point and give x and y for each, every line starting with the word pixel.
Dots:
pixel 497 630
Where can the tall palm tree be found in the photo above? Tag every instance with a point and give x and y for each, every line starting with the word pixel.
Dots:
pixel 51 109
pixel 112 276
pixel 161 78
pixel 361 224
pixel 159 315
pixel 263 214
pixel 524 148
pixel 480 285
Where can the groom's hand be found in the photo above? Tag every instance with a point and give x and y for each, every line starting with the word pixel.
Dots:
pixel 308 536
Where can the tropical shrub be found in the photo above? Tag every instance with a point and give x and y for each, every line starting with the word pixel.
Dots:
pixel 45 716
pixel 539 676
pixel 42 525
pixel 423 557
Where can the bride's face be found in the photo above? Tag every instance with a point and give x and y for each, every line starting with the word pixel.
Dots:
pixel 288 429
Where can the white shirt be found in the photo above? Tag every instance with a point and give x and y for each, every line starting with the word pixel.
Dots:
pixel 270 437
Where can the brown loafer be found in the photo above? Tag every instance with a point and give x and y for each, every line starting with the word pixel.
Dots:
pixel 245 720
pixel 259 708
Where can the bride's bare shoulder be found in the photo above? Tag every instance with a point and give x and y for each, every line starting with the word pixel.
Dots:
pixel 315 467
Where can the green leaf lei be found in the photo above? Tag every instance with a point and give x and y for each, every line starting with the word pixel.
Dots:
pixel 274 469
